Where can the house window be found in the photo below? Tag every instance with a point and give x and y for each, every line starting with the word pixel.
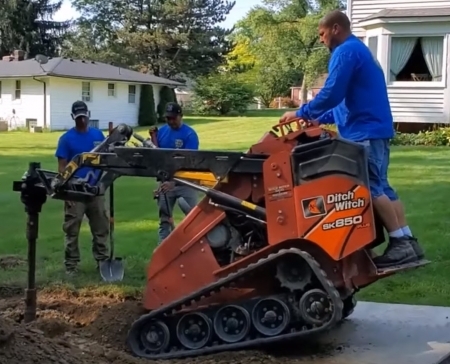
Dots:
pixel 111 89
pixel 131 94
pixel 373 45
pixel 93 123
pixel 17 90
pixel 417 59
pixel 86 91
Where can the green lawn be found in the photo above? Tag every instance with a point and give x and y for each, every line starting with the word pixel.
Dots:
pixel 421 176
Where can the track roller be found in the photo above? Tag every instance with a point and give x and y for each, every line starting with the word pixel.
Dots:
pixel 232 323
pixel 271 316
pixel 155 337
pixel 194 330
pixel 315 307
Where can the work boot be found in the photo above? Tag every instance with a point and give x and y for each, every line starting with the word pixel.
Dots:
pixel 71 271
pixel 399 251
pixel 417 248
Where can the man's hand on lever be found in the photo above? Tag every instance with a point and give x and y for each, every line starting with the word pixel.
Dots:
pixel 292 115
pixel 288 116
pixel 167 186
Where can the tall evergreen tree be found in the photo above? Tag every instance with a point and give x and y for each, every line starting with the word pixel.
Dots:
pixel 158 36
pixel 27 25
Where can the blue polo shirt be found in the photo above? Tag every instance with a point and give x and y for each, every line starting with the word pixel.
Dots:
pixel 355 78
pixel 183 138
pixel 74 142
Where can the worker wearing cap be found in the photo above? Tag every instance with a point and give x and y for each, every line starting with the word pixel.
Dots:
pixel 80 139
pixel 174 135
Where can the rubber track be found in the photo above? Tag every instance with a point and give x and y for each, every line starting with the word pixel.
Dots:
pixel 172 308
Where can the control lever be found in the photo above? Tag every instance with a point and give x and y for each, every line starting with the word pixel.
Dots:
pixel 145 142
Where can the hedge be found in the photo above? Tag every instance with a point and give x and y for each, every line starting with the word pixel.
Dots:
pixel 438 138
pixel 147 113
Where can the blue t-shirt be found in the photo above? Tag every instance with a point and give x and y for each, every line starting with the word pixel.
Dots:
pixel 356 78
pixel 183 138
pixel 74 142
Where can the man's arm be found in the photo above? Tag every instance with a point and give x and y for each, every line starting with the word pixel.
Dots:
pixel 192 141
pixel 335 88
pixel 327 118
pixel 62 153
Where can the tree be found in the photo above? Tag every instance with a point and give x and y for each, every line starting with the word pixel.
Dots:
pixel 221 93
pixel 158 36
pixel 85 40
pixel 263 74
pixel 282 36
pixel 166 95
pixel 26 25
pixel 147 114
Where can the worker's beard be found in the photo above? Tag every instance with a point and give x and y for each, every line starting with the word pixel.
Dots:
pixel 81 122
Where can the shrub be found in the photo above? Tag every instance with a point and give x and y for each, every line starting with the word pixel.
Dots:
pixel 284 102
pixel 438 138
pixel 147 114
pixel 220 94
pixel 166 95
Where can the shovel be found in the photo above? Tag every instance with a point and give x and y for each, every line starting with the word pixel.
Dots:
pixel 111 269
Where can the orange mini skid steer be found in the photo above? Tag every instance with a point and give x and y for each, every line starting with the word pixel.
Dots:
pixel 275 250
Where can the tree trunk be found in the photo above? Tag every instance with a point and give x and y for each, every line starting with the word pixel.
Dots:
pixel 304 95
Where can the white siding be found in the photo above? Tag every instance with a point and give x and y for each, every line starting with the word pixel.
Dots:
pixel 29 106
pixel 104 108
pixel 417 104
pixel 64 92
pixel 360 9
pixel 423 102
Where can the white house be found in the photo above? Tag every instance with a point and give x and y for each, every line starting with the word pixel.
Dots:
pixel 42 94
pixel 411 41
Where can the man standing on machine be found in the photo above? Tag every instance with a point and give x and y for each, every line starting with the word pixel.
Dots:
pixel 355 76
pixel 80 139
pixel 175 135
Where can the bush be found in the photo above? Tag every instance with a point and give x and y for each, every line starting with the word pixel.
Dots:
pixel 166 95
pixel 221 94
pixel 285 102
pixel 147 114
pixel 437 138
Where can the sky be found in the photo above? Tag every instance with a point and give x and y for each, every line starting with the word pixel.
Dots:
pixel 239 11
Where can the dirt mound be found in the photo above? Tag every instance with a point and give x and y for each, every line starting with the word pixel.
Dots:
pixel 103 319
pixel 74 329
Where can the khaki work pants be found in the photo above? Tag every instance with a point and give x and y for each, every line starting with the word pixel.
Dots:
pixel 98 218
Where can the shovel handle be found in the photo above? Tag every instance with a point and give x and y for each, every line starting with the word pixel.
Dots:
pixel 111 209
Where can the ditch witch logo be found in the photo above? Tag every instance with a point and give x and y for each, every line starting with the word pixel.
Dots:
pixel 315 206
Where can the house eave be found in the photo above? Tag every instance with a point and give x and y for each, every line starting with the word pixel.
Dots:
pixel 170 84
pixel 24 76
pixel 173 83
pixel 370 23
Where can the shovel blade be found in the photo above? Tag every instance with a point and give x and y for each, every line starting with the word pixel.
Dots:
pixel 111 270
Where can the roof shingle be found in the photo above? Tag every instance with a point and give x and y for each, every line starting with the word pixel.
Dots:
pixel 74 68
pixel 410 13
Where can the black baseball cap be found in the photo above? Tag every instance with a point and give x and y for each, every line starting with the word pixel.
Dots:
pixel 79 108
pixel 173 110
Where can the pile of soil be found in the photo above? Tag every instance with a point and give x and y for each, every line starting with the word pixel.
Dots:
pixel 74 329
pixel 68 330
